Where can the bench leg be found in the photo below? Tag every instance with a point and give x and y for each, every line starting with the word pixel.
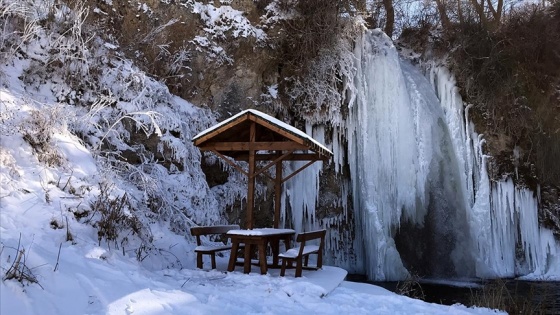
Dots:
pixel 320 259
pixel 298 267
pixel 199 260
pixel 213 255
pixel 283 270
pixel 306 261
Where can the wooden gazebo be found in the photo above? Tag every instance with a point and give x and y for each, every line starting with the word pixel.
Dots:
pixel 253 136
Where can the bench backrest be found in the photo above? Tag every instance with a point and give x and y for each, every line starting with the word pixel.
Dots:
pixel 308 236
pixel 210 230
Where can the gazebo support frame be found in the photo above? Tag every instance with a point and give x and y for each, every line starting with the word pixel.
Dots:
pixel 252 136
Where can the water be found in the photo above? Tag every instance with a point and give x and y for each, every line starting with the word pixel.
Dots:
pixel 534 297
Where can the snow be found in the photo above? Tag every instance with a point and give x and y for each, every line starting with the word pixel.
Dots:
pixel 263 231
pixel 224 19
pixel 294 252
pixel 81 274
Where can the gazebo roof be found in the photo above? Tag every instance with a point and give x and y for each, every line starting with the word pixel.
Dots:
pixel 231 137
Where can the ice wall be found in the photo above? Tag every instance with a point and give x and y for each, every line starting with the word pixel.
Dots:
pixel 404 169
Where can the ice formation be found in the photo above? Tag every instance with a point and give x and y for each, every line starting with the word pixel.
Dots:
pixel 422 198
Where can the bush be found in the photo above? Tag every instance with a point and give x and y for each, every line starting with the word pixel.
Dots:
pixel 115 217
pixel 497 296
pixel 38 130
pixel 411 287
pixel 313 29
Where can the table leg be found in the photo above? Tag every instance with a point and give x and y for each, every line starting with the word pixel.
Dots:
pixel 247 258
pixel 262 256
pixel 275 245
pixel 233 254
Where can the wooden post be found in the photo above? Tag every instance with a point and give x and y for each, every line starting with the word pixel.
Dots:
pixel 277 191
pixel 251 178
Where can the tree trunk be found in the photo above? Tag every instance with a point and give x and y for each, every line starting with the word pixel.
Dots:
pixel 443 14
pixel 390 23
pixel 496 12
pixel 479 8
pixel 460 12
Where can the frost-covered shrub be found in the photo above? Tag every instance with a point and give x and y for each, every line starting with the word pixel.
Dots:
pixel 55 43
pixel 38 130
pixel 114 217
pixel 18 27
pixel 19 270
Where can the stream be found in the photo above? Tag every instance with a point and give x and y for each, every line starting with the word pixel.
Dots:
pixel 530 297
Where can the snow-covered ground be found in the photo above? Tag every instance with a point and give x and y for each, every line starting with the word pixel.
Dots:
pixel 90 279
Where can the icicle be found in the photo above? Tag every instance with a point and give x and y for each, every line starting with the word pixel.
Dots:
pixel 501 216
pixel 416 162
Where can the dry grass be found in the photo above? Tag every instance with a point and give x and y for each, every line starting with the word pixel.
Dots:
pixel 497 296
pixel 411 287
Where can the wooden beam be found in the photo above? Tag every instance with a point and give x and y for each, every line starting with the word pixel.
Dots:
pixel 308 143
pixel 251 178
pixel 267 176
pixel 277 192
pixel 256 146
pixel 221 129
pixel 275 128
pixel 292 157
pixel 271 164
pixel 298 170
pixel 230 162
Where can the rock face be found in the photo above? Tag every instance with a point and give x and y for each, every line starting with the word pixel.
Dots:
pixel 212 53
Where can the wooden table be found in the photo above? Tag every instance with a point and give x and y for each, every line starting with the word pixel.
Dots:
pixel 260 238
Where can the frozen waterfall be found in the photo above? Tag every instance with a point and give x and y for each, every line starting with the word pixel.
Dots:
pixel 409 196
pixel 421 197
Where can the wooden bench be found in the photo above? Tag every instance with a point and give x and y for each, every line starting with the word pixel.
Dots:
pixel 211 249
pixel 301 254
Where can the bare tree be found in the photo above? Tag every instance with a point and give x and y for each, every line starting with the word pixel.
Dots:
pixel 460 12
pixel 496 12
pixel 390 23
pixel 492 21
pixel 442 10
